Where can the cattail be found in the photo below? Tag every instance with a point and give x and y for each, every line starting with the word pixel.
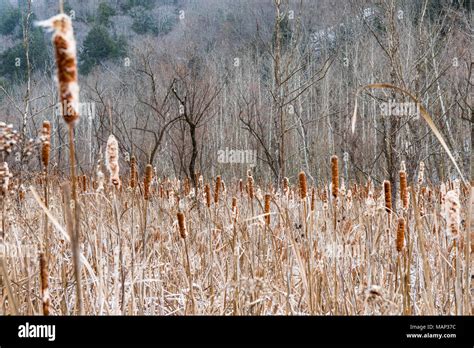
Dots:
pixel 5 176
pixel 234 203
pixel 65 52
pixel 111 160
pixel 84 183
pixel 303 188
pixel 250 186
pixel 324 198
pixel 452 213
pixel 267 209
pixel 45 143
pixel 218 186
pixel 133 172
pixel 241 186
pixel 285 185
pixel 313 199
pixel 44 284
pixel 334 176
pixel 403 189
pixel 400 234
pixel 147 181
pixel 182 224
pixel 207 193
pixel 387 187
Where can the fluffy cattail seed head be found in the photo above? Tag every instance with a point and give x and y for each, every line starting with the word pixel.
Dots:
pixel 182 225
pixel 400 234
pixel 111 160
pixel 147 181
pixel 303 186
pixel 5 176
pixel 334 176
pixel 66 62
pixel 387 187
pixel 452 212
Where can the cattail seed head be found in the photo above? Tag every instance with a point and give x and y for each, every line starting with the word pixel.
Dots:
pixel 334 176
pixel 147 181
pixel 403 189
pixel 133 172
pixel 218 186
pixel 285 185
pixel 313 199
pixel 66 62
pixel 421 173
pixel 387 187
pixel 207 193
pixel 267 208
pixel 45 143
pixel 250 186
pixel 5 176
pixel 44 284
pixel 111 160
pixel 303 187
pixel 452 213
pixel 400 234
pixel 182 225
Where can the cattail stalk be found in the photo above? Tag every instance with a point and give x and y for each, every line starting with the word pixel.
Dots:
pixel 183 234
pixel 44 284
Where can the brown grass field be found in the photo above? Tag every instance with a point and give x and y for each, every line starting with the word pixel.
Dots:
pixel 321 254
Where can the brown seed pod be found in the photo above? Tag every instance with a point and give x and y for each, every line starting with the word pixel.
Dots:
pixel 218 186
pixel 250 186
pixel 286 185
pixel 182 224
pixel 313 198
pixel 207 192
pixel 400 234
pixel 387 187
pixel 403 189
pixel 147 181
pixel 334 176
pixel 303 186
pixel 267 208
pixel 45 143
